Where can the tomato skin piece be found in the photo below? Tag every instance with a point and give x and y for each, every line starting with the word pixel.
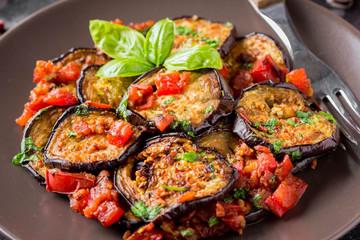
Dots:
pixel 286 195
pixel 60 97
pixel 266 69
pixel 188 196
pixel 70 72
pixel 171 83
pixel 98 105
pixel 298 78
pixel 284 168
pixel 119 133
pixel 25 116
pixel 67 183
pixel 224 72
pixel 109 213
pixel 141 96
pixel 163 121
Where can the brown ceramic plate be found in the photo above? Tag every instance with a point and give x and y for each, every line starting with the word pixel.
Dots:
pixel 331 204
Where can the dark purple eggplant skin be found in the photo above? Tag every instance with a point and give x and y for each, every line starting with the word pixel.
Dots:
pixel 179 210
pixel 242 129
pixel 79 82
pixel 224 109
pixel 225 47
pixel 27 133
pixel 95 166
pixel 63 56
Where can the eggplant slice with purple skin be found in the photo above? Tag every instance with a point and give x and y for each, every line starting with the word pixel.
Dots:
pixel 39 130
pixel 82 56
pixel 278 116
pixel 205 99
pixel 195 30
pixel 169 167
pixel 79 141
pixel 101 90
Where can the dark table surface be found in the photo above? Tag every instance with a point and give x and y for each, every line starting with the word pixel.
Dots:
pixel 14 11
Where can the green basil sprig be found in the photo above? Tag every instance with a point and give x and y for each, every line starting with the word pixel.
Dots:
pixel 133 54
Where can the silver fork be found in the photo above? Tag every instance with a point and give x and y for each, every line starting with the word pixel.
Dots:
pixel 327 85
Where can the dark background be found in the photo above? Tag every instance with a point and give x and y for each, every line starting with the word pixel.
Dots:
pixel 14 11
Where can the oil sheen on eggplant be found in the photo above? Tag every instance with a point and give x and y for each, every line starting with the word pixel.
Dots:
pixel 39 129
pixel 272 114
pixel 194 30
pixel 204 100
pixel 165 175
pixel 101 90
pixel 89 152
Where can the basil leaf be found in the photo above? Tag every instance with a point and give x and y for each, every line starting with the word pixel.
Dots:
pixel 328 116
pixel 159 41
pixel 124 67
pixel 193 58
pixel 117 41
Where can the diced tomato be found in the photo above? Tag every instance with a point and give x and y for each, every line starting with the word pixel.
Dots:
pixel 141 26
pixel 245 150
pixel 67 183
pixel 82 128
pixel 119 133
pixel 25 116
pixel 70 72
pixel 141 96
pixel 117 21
pixel 98 105
pixel 60 97
pixel 224 72
pixel 147 232
pixel 263 149
pixel 44 71
pixel 187 196
pixel 266 69
pixel 286 195
pixel 241 80
pixel 283 169
pixel 171 83
pixel 232 215
pixel 163 121
pixel 266 161
pixel 239 166
pixel 109 213
pixel 298 78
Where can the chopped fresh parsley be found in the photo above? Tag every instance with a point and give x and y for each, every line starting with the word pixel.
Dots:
pixel 240 193
pixel 292 123
pixel 256 125
pixel 169 100
pixel 27 146
pixel 265 135
pixel 186 233
pixel 72 134
pixel 256 198
pixel 123 107
pixel 82 110
pixel 212 42
pixel 277 145
pixel 328 116
pixel 186 126
pixel 208 109
pixel 185 31
pixel 228 199
pixel 301 114
pixel 222 126
pixel 247 65
pixel 254 135
pixel 228 24
pixel 141 210
pixel 180 189
pixel 296 155
pixel 213 221
pixel 188 156
pixel 300 135
pixel 307 121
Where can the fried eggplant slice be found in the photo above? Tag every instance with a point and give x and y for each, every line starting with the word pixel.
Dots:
pixel 173 176
pixel 244 53
pixel 194 30
pixel 101 90
pixel 83 56
pixel 201 101
pixel 90 139
pixel 39 130
pixel 279 117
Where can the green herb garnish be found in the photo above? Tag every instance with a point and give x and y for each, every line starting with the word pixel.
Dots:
pixel 186 233
pixel 301 114
pixel 72 134
pixel 185 31
pixel 188 156
pixel 208 109
pixel 123 107
pixel 328 116
pixel 228 199
pixel 277 145
pixel 292 123
pixel 82 110
pixel 240 193
pixel 256 198
pixel 169 100
pixel 296 155
pixel 213 221
pixel 247 65
pixel 181 189
pixel 141 210
pixel 228 24
pixel 27 147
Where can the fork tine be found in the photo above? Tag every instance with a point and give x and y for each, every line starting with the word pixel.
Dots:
pixel 351 100
pixel 336 104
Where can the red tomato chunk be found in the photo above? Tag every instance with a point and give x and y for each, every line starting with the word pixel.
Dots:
pixel 299 79
pixel 171 83
pixel 119 133
pixel 99 202
pixel 163 121
pixel 60 97
pixel 141 96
